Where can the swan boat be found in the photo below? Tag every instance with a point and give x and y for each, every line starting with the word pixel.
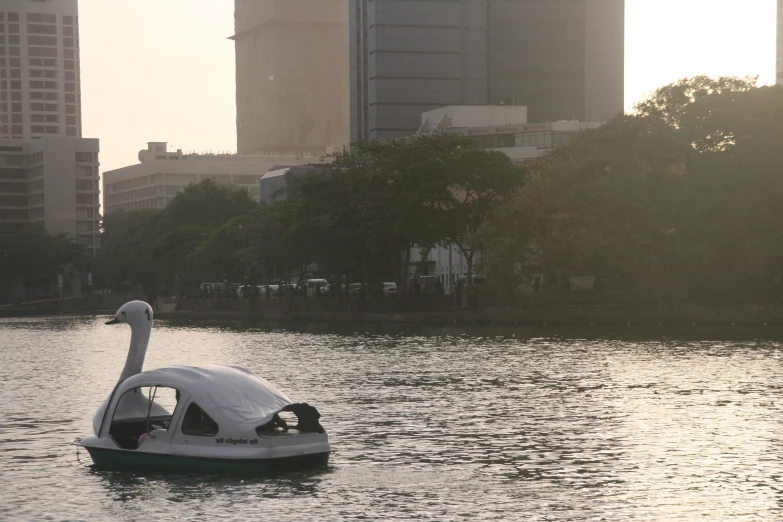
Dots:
pixel 224 418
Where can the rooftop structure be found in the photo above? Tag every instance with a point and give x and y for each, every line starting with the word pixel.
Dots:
pixel 504 129
pixel 274 184
pixel 161 174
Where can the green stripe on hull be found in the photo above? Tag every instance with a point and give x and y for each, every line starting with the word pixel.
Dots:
pixel 136 460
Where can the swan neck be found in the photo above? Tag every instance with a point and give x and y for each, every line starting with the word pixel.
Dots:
pixel 140 338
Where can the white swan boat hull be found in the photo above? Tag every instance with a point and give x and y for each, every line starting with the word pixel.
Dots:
pixel 278 452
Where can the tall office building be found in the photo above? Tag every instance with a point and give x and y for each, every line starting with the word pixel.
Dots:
pixel 291 75
pixel 563 59
pixel 779 65
pixel 39 69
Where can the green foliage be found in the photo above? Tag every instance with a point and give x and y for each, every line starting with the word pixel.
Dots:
pixel 34 257
pixel 358 217
pixel 155 248
pixel 677 201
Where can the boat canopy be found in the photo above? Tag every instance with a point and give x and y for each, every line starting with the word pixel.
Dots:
pixel 229 394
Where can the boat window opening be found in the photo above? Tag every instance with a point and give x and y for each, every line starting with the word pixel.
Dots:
pixel 278 424
pixel 141 411
pixel 197 422
pixel 305 416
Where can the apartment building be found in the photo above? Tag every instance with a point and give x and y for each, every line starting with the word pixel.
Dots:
pixel 161 174
pixel 39 69
pixel 52 181
pixel 291 75
pixel 564 59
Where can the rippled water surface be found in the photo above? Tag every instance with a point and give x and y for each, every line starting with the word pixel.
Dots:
pixel 439 425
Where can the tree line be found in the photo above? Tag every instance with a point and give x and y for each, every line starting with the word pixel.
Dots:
pixel 677 200
pixel 356 219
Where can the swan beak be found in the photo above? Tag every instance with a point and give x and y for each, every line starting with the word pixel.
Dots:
pixel 113 321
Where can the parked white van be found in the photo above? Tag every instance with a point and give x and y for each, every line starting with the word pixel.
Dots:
pixel 317 287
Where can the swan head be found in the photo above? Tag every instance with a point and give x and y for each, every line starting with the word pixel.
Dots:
pixel 133 313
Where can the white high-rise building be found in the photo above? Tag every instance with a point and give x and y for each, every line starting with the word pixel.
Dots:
pixel 39 69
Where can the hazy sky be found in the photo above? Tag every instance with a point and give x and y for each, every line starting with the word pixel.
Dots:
pixel 163 70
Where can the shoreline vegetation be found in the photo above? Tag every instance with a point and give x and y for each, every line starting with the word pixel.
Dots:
pixel 675 203
pixel 554 313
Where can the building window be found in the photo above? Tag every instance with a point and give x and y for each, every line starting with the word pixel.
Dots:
pixel 43 73
pixel 41 107
pixel 40 85
pixel 84 157
pixel 82 212
pixel 83 170
pixel 42 29
pixel 50 52
pixel 45 118
pixel 85 226
pixel 67 31
pixel 41 40
pixel 70 131
pixel 41 62
pixel 67 42
pixel 83 199
pixel 44 96
pixel 68 53
pixel 42 18
pixel 68 20
pixel 13 17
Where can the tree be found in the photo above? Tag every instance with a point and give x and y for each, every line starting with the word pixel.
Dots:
pixel 127 245
pixel 155 247
pixel 207 204
pixel 678 201
pixel 34 257
pixel 478 181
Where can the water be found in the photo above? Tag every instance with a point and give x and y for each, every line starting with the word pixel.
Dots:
pixel 435 426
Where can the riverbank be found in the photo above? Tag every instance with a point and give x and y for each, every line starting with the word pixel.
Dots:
pixel 551 314
pixel 560 314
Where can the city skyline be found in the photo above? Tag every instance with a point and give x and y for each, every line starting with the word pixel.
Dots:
pixel 166 72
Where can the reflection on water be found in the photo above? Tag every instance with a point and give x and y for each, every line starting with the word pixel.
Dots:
pixel 427 424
